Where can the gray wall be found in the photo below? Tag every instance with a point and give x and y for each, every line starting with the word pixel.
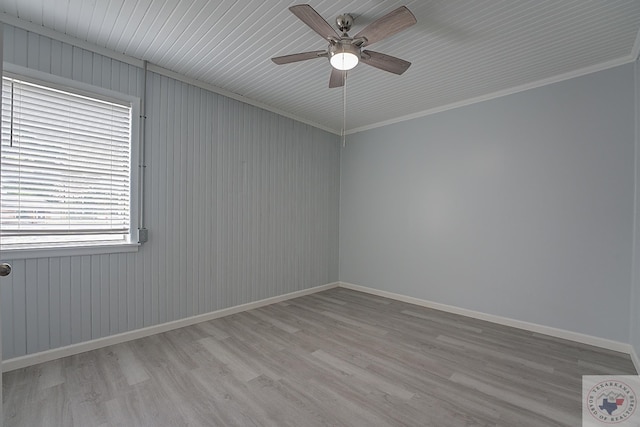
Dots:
pixel 242 205
pixel 635 291
pixel 520 206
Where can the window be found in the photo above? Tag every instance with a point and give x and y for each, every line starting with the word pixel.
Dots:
pixel 66 167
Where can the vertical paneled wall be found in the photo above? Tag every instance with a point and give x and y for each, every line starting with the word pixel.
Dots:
pixel 242 204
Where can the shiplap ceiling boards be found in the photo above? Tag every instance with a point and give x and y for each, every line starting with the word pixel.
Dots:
pixel 460 50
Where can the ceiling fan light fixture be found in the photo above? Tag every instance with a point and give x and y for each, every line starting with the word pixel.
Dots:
pixel 344 61
pixel 344 56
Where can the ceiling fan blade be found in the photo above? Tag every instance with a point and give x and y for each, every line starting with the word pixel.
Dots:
pixel 287 59
pixel 388 25
pixel 309 16
pixel 337 78
pixel 384 62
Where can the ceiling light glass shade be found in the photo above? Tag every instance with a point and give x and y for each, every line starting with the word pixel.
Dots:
pixel 344 61
pixel 343 55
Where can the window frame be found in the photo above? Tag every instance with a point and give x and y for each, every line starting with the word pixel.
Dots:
pixel 81 88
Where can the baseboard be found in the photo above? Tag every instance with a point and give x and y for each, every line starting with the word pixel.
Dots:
pixel 48 355
pixel 532 327
pixel 70 350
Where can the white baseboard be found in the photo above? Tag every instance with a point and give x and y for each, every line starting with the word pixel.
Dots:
pixel 532 327
pixel 70 350
pixel 46 356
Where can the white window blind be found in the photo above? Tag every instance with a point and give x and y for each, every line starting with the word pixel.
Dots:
pixel 65 172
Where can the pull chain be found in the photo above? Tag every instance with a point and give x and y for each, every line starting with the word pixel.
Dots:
pixel 344 110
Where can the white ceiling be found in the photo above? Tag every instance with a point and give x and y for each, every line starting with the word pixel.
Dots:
pixel 460 50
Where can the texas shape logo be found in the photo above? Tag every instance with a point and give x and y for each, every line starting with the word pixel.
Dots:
pixel 611 401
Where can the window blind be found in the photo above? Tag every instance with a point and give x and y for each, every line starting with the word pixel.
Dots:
pixel 65 169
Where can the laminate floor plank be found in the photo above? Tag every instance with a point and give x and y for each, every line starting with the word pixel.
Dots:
pixel 336 358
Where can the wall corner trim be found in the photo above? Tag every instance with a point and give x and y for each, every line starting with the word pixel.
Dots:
pixel 635 359
pixel 531 327
pixel 499 94
pixel 70 350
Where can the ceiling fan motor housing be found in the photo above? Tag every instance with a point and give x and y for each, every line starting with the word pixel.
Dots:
pixel 344 46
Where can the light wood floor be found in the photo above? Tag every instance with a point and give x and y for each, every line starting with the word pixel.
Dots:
pixel 336 358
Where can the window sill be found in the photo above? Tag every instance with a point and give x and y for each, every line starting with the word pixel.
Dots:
pixel 48 252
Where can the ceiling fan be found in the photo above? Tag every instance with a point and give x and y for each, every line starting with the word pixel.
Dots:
pixel 345 52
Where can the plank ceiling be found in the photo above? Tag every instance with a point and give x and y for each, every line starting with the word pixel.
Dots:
pixel 461 50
